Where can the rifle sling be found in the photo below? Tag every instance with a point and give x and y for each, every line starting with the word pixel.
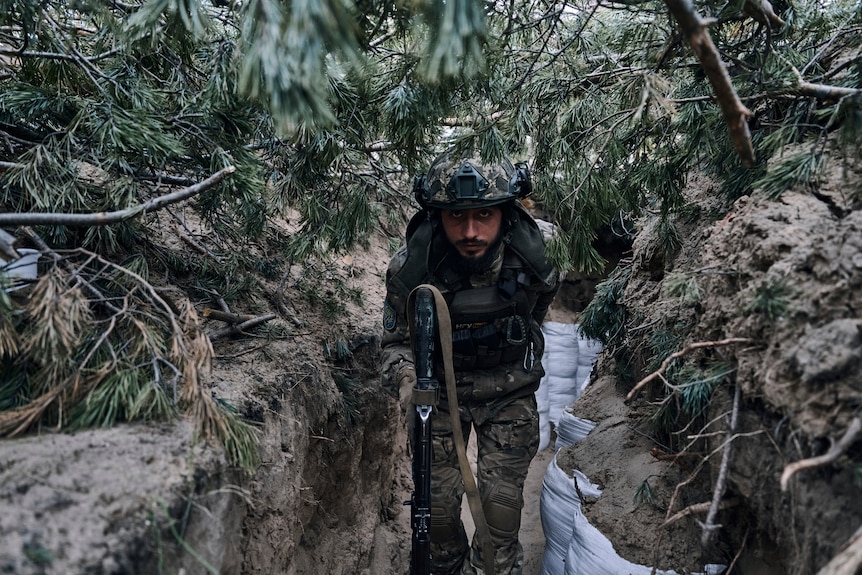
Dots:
pixel 473 499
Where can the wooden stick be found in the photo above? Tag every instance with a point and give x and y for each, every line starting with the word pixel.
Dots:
pixel 240 327
pixel 834 452
pixel 225 316
pixel 689 347
pixel 709 525
pixel 848 559
pixel 696 508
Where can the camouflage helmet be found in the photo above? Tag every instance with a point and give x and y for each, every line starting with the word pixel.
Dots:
pixel 462 183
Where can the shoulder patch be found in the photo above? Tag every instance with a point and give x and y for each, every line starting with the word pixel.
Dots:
pixel 389 316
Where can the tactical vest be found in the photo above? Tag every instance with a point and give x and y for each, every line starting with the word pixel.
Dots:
pixel 490 325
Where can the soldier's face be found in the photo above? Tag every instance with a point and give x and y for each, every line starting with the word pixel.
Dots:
pixel 473 231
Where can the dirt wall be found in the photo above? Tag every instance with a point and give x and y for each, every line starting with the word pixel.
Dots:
pixel 783 277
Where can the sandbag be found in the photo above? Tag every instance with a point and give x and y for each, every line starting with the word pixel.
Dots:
pixel 568 360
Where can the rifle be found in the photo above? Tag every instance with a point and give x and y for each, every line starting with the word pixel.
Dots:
pixel 425 331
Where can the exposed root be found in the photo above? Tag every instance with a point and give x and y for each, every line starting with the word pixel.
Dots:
pixel 689 347
pixel 848 559
pixel 834 452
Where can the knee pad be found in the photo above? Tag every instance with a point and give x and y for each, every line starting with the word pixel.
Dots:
pixel 444 527
pixel 503 510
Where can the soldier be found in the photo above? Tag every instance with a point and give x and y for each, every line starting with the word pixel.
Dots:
pixel 476 243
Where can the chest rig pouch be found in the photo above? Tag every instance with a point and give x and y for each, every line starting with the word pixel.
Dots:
pixel 487 329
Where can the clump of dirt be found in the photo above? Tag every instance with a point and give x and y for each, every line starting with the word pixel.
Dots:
pixel 782 280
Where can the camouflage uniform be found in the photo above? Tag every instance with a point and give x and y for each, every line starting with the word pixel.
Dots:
pixel 495 381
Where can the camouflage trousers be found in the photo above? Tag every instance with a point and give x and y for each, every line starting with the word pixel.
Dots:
pixel 507 437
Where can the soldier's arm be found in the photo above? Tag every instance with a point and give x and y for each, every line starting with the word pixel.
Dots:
pixel 544 299
pixel 397 352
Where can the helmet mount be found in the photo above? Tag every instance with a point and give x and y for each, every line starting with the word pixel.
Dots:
pixel 467 183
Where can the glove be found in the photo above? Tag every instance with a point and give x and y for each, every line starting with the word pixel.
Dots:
pixel 406 378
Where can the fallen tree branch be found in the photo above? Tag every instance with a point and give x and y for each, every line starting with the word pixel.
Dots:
pixel 689 347
pixel 226 317
pixel 240 327
pixel 695 509
pixel 709 525
pixel 104 218
pixel 834 452
pixel 734 111
pixel 848 559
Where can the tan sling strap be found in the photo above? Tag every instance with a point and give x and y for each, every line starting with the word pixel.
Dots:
pixel 444 323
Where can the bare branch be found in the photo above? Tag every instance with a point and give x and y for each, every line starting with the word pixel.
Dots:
pixel 820 91
pixel 689 347
pixel 239 328
pixel 734 111
pixel 848 559
pixel 709 525
pixel 694 509
pixel 834 452
pixel 104 218
pixel 225 316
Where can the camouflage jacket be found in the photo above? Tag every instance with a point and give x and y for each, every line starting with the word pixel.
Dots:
pixel 496 316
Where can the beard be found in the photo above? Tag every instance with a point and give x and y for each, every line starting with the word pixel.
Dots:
pixel 478 264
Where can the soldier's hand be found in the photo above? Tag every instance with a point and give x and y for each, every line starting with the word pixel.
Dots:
pixel 406 382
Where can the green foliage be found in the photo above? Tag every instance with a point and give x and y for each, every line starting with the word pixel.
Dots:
pixel 644 495
pixel 662 344
pixel 682 286
pixel 325 289
pixel 686 394
pixel 668 237
pixel 38 554
pixel 771 298
pixel 340 354
pixel 696 386
pixel 803 168
pixel 605 316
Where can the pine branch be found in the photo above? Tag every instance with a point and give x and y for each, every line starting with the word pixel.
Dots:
pixel 734 111
pixel 104 218
pixel 820 91
pixel 689 347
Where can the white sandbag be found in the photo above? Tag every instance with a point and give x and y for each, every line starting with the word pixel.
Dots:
pixel 561 393
pixel 588 353
pixel 561 333
pixel 559 387
pixel 543 405
pixel 557 504
pixel 571 429
pixel 591 553
pixel 562 363
pixel 588 349
pixel 572 545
